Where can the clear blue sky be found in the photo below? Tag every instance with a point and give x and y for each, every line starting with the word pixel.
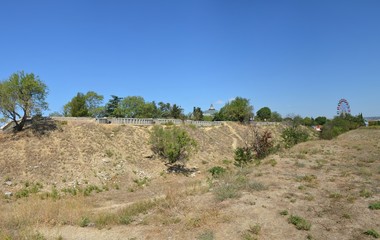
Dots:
pixel 293 56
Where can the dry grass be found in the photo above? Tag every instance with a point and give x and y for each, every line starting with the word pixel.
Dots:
pixel 334 185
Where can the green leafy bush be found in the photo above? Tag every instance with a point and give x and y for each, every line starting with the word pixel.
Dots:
pixel 374 206
pixel 372 233
pixel 299 222
pixel 243 155
pixel 341 125
pixel 172 143
pixel 217 171
pixel 294 135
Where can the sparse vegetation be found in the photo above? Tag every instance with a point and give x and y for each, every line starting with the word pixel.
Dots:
pixel 294 135
pixel 284 213
pixel 299 222
pixel 257 145
pixel 217 171
pixel 172 143
pixel 205 205
pixel 366 193
pixel 372 233
pixel 207 235
pixel 243 155
pixel 84 222
pixel 374 206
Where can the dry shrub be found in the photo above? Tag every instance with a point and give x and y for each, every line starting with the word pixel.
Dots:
pixel 258 144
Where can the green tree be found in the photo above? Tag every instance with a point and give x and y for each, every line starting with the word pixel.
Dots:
pixel 94 102
pixel 238 109
pixel 112 107
pixel 151 110
pixel 321 120
pixel 176 112
pixel 22 96
pixel 133 106
pixel 307 121
pixel 84 105
pixel 197 114
pixel 276 117
pixel 264 113
pixel 77 107
pixel 164 110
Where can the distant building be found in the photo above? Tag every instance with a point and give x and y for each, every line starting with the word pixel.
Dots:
pixel 210 112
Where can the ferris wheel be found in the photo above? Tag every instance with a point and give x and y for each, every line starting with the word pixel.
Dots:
pixel 343 107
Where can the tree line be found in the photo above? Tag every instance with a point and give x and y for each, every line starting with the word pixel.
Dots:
pixel 90 105
pixel 23 95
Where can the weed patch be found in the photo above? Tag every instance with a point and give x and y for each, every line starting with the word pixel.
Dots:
pixel 372 233
pixel 299 222
pixel 374 206
pixel 207 235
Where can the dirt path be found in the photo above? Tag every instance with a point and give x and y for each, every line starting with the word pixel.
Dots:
pixel 236 136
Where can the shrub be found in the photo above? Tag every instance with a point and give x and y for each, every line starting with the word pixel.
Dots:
pixel 84 222
pixel 243 155
pixel 226 191
pixel 284 212
pixel 172 143
pixel 294 135
pixel 341 124
pixel 374 206
pixel 207 235
pixel 217 171
pixel 372 233
pixel 262 144
pixel 258 145
pixel 299 222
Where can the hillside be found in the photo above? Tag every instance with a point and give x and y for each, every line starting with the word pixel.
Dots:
pixel 330 184
pixel 77 152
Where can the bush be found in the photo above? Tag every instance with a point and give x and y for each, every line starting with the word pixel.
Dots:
pixel 257 145
pixel 262 144
pixel 217 171
pixel 372 233
pixel 374 206
pixel 226 191
pixel 172 143
pixel 341 125
pixel 294 135
pixel 243 155
pixel 299 222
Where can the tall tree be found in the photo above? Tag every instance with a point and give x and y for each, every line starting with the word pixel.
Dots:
pixel 176 111
pixel 276 117
pixel 77 107
pixel 94 102
pixel 112 107
pixel 84 105
pixel 197 114
pixel 238 109
pixel 164 109
pixel 321 120
pixel 22 96
pixel 133 106
pixel 264 113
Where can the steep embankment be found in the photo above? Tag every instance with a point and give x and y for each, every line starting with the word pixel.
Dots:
pixel 85 152
pixel 315 190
